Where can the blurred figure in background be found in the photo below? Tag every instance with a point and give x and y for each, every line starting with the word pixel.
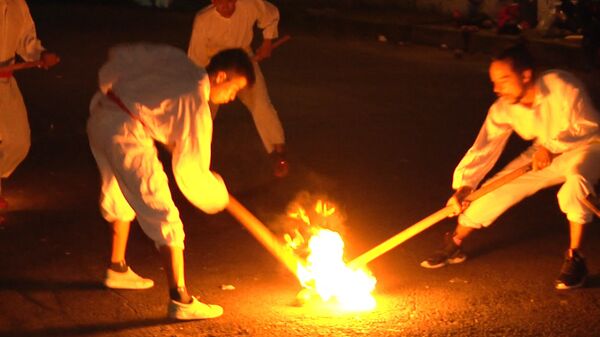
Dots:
pixel 18 38
pixel 230 24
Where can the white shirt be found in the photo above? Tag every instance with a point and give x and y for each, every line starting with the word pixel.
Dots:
pixel 213 33
pixel 17 33
pixel 562 118
pixel 169 94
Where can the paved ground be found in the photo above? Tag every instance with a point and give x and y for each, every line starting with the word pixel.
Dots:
pixel 376 127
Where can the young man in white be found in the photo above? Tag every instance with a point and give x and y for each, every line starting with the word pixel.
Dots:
pixel 555 112
pixel 17 37
pixel 154 93
pixel 229 24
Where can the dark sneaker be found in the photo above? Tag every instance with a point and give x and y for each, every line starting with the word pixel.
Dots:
pixel 573 272
pixel 450 254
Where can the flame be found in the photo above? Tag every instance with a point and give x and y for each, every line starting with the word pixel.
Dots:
pixel 325 273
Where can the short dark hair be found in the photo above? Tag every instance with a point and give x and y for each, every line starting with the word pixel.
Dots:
pixel 519 56
pixel 234 61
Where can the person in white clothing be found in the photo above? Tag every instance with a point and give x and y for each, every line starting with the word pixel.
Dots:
pixel 17 37
pixel 153 93
pixel 229 24
pixel 554 111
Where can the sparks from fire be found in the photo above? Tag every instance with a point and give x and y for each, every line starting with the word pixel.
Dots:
pixel 325 272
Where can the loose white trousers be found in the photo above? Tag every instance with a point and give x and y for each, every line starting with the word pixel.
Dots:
pixel 134 182
pixel 15 136
pixel 257 101
pixel 577 170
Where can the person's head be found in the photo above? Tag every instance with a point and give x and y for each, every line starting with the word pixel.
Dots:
pixel 229 71
pixel 512 72
pixel 224 7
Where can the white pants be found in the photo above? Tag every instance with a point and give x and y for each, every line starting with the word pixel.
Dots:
pixel 256 99
pixel 577 170
pixel 133 179
pixel 14 127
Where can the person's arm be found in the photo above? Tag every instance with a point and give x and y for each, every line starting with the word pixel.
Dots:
pixel 484 152
pixel 191 160
pixel 29 47
pixel 579 118
pixel 478 160
pixel 267 20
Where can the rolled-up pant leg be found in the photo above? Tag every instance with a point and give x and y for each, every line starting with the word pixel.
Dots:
pixel 15 136
pixel 133 180
pixel 256 99
pixel 582 170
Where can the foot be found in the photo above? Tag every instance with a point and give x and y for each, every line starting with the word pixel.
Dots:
pixel 126 280
pixel 194 310
pixel 573 272
pixel 450 254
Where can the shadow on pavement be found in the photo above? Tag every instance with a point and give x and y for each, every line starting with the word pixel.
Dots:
pixel 48 285
pixel 593 281
pixel 78 330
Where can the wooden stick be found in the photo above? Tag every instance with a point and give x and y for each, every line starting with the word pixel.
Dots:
pixel 19 66
pixel 432 219
pixel 263 235
pixel 592 204
pixel 280 41
pixel 276 44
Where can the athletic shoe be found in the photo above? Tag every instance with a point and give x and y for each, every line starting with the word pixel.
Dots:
pixel 126 280
pixel 450 254
pixel 194 310
pixel 573 272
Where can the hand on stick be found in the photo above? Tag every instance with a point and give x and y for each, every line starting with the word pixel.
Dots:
pixel 48 59
pixel 541 158
pixel 264 51
pixel 459 200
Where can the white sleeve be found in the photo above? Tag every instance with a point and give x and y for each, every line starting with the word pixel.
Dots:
pixel 267 19
pixel 29 47
pixel 582 119
pixel 191 162
pixel 484 153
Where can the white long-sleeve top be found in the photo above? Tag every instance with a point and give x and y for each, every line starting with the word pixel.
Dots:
pixel 17 33
pixel 561 118
pixel 167 92
pixel 212 33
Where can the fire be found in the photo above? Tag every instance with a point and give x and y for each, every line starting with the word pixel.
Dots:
pixel 325 272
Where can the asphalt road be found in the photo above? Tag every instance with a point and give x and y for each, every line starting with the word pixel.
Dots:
pixel 377 128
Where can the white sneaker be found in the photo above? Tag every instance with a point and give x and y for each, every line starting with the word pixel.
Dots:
pixel 194 310
pixel 126 280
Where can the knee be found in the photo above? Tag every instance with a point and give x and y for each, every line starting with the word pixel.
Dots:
pixel 576 187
